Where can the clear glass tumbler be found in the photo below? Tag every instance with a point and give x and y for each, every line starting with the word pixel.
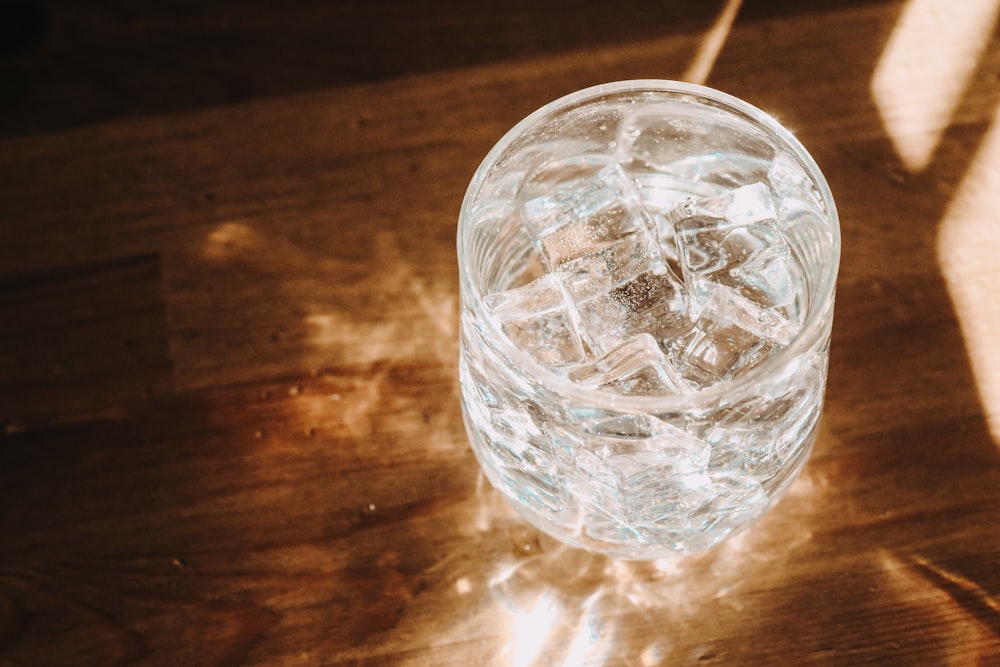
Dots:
pixel 647 276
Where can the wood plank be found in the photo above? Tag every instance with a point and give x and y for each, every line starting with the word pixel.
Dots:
pixel 229 395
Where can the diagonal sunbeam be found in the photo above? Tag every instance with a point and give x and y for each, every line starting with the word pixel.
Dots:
pixel 712 43
pixel 925 70
pixel 968 249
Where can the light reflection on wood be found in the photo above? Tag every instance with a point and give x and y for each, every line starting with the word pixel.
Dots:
pixel 925 70
pixel 968 248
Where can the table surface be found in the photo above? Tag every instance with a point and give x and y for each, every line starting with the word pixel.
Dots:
pixel 228 301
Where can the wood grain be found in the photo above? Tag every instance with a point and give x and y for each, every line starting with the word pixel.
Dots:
pixel 228 353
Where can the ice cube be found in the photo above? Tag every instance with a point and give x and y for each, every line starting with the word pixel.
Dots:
pixel 514 437
pixel 668 244
pixel 733 240
pixel 769 429
pixel 731 335
pixel 793 187
pixel 548 174
pixel 735 500
pixel 655 499
pixel 582 216
pixel 612 265
pixel 803 214
pixel 657 495
pixel 742 206
pixel 662 192
pixel 658 135
pixel 623 290
pixel 645 471
pixel 640 435
pixel 536 318
pixel 636 367
pixel 647 303
pixel 680 140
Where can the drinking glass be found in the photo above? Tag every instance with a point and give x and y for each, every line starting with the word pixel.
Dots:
pixel 647 278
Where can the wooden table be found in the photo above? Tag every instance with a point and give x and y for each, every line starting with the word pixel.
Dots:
pixel 228 304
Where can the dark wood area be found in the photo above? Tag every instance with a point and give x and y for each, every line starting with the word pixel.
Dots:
pixel 228 312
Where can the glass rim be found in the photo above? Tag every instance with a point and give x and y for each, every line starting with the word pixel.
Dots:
pixel 816 319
